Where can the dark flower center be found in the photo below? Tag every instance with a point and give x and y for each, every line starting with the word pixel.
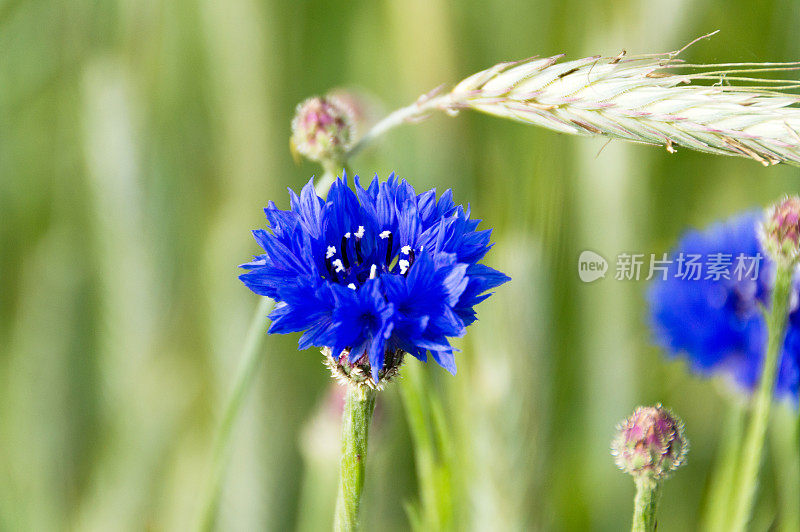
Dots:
pixel 346 264
pixel 369 321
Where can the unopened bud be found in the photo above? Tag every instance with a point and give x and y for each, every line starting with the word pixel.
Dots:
pixel 322 129
pixel 781 231
pixel 650 443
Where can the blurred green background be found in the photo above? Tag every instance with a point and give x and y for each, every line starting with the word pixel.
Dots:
pixel 139 140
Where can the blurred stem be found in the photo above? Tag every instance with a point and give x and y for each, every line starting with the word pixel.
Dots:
pixel 430 443
pixel 720 498
pixel 644 506
pixel 359 405
pixel 785 444
pixel 753 447
pixel 412 113
pixel 792 492
pixel 250 359
pixel 331 169
pixel 424 450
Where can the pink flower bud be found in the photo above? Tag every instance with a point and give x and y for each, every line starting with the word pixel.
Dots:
pixel 781 230
pixel 322 129
pixel 650 443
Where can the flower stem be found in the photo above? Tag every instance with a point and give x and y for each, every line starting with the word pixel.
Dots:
pixel 644 506
pixel 251 357
pixel 411 113
pixel 786 462
pixel 432 447
pixel 753 446
pixel 331 169
pixel 359 405
pixel 723 481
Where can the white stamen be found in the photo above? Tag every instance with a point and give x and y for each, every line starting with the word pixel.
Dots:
pixel 360 232
pixel 406 249
pixel 338 266
pixel 404 264
pixel 351 286
pixel 331 252
pixel 385 234
pixel 373 271
pixel 347 234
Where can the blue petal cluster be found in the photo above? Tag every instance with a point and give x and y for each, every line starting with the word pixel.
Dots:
pixel 373 270
pixel 718 324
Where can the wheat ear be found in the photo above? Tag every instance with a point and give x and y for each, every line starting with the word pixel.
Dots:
pixel 653 99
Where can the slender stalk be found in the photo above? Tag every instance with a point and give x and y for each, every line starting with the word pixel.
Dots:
pixel 786 462
pixel 792 488
pixel 434 509
pixel 250 359
pixel 331 169
pixel 720 498
pixel 359 405
pixel 753 447
pixel 411 113
pixel 644 506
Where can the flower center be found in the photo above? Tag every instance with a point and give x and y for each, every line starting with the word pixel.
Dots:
pixel 352 262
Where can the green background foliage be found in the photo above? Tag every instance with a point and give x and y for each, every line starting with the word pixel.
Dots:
pixel 139 140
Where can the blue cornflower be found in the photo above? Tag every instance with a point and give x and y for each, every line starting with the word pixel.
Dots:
pixel 717 322
pixel 373 273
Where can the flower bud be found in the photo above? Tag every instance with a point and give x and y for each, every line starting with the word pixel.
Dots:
pixel 650 443
pixel 322 129
pixel 781 231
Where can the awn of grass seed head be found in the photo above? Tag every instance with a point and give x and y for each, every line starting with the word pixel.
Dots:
pixel 652 99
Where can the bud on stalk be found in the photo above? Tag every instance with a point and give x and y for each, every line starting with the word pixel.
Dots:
pixel 649 446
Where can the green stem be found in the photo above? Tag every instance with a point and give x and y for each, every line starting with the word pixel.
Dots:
pixel 783 436
pixel 411 113
pixel 358 409
pixel 720 498
pixel 430 514
pixel 644 506
pixel 331 170
pixel 251 358
pixel 753 447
